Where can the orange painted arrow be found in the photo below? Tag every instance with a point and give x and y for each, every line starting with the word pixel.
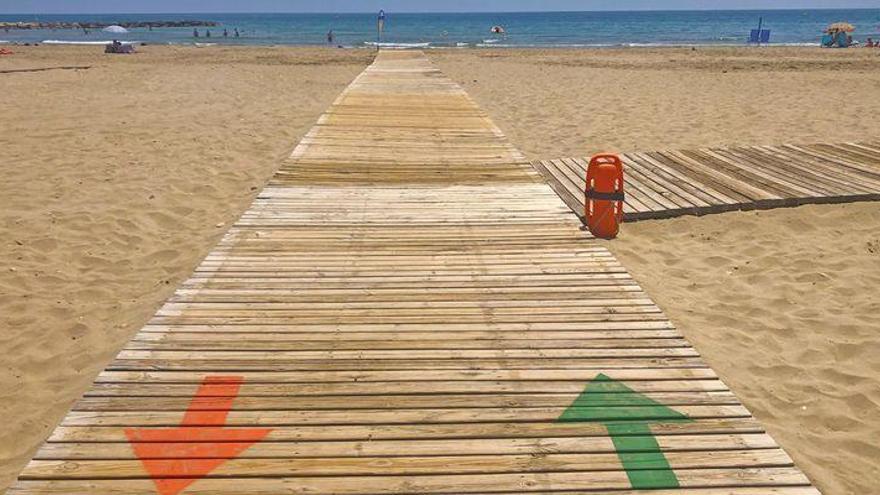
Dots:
pixel 178 457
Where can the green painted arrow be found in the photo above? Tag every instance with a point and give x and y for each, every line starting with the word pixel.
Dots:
pixel 627 415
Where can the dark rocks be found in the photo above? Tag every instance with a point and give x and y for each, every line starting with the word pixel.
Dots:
pixel 101 25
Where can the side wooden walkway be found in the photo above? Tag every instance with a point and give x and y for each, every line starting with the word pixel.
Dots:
pixel 664 184
pixel 408 309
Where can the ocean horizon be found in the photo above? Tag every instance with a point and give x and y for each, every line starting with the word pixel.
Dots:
pixel 791 27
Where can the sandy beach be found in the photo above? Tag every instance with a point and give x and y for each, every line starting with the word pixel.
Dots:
pixel 119 178
pixel 781 303
pixel 555 103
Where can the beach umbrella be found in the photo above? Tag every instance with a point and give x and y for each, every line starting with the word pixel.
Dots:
pixel 841 26
pixel 115 29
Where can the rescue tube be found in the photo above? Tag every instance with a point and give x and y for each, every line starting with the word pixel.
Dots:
pixel 604 196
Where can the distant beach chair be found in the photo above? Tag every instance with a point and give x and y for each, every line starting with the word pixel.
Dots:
pixel 759 36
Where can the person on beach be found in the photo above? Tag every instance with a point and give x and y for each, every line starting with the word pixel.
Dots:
pixel 195 32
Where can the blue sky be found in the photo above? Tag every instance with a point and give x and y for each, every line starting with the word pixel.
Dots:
pixel 169 6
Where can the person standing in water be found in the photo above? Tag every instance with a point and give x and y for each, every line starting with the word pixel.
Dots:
pixel 330 37
pixel 195 32
pixel 225 33
pixel 207 33
pixel 235 33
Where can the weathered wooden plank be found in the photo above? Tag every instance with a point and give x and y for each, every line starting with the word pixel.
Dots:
pixel 374 417
pixel 404 448
pixel 340 376
pixel 462 431
pixel 425 400
pixel 594 482
pixel 533 387
pixel 411 465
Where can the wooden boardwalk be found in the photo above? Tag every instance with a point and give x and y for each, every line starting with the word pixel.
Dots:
pixel 696 182
pixel 408 309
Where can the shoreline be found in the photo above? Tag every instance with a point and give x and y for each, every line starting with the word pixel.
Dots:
pixel 219 41
pixel 540 30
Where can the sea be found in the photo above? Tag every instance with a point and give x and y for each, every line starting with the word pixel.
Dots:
pixel 464 30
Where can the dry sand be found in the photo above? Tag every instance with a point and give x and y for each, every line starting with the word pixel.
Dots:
pixel 117 180
pixel 784 304
pixel 555 103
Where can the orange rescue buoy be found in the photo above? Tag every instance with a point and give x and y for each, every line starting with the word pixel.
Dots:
pixel 603 207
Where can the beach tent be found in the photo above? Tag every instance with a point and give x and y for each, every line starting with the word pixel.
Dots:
pixel 115 29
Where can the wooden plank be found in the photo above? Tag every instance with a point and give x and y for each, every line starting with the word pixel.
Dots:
pixel 412 465
pixel 421 447
pixel 440 483
pixel 462 431
pixel 459 387
pixel 339 376
pixel 428 400
pixel 337 417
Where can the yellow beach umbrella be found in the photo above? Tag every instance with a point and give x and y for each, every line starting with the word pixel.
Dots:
pixel 841 26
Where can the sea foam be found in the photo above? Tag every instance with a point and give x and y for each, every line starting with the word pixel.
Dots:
pixel 63 42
